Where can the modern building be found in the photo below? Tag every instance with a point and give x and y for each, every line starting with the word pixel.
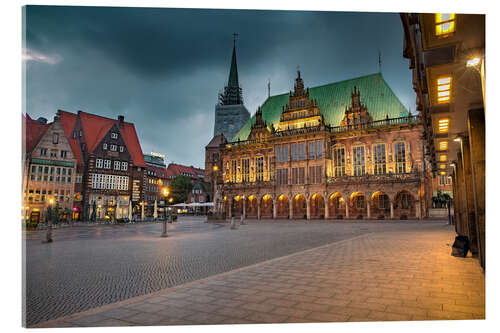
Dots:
pixel 345 150
pixel 447 57
pixel 49 170
pixel 230 113
pixel 155 183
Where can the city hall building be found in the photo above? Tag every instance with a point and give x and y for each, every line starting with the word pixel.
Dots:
pixel 345 150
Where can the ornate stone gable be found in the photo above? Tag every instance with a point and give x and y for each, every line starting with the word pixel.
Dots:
pixel 301 111
pixel 259 130
pixel 356 114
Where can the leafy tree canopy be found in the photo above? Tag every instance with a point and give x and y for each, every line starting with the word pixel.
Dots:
pixel 180 187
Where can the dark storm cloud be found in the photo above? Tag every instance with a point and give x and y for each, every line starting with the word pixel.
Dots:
pixel 163 68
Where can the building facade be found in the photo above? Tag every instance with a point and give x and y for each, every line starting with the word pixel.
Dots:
pixel 347 150
pixel 155 184
pixel 447 58
pixel 49 172
pixel 230 113
pixel 110 165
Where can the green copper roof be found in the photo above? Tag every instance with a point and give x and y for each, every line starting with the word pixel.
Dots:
pixel 332 100
pixel 233 73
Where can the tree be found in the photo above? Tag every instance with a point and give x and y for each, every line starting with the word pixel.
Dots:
pixel 180 188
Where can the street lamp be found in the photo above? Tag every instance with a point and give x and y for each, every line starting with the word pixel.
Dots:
pixel 48 234
pixel 164 231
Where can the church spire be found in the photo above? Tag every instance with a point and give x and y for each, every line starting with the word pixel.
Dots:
pixel 233 94
pixel 233 73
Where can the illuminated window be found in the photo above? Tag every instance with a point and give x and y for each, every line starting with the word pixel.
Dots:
pixel 443 145
pixel 442 166
pixel 400 158
pixel 444 89
pixel 473 62
pixel 339 161
pixel 379 159
pixel 445 24
pixel 443 125
pixel 443 158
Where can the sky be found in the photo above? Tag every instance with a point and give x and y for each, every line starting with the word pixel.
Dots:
pixel 163 68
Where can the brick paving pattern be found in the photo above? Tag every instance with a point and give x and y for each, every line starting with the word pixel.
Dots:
pixel 397 275
pixel 91 266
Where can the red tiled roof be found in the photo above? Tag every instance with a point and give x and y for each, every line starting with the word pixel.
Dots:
pixel 217 141
pixel 159 170
pixel 68 121
pixel 95 128
pixel 133 145
pixel 34 130
pixel 177 169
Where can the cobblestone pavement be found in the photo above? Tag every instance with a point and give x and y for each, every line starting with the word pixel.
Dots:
pixel 87 268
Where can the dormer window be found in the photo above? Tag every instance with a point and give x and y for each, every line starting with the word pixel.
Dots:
pixel 55 138
pixel 112 147
pixel 121 149
pixel 114 135
pixel 104 146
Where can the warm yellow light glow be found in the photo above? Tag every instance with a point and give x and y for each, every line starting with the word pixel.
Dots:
pixel 165 191
pixel 442 166
pixel 171 200
pixel 51 201
pixel 216 168
pixel 443 125
pixel 444 89
pixel 443 173
pixel 443 158
pixel 444 80
pixel 443 145
pixel 445 24
pixel 473 62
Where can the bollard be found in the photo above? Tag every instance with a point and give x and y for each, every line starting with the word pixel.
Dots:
pixel 164 232
pixel 233 224
pixel 242 220
pixel 48 235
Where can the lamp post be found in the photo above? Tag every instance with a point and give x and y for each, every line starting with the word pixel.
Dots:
pixel 164 231
pixel 48 234
pixel 215 169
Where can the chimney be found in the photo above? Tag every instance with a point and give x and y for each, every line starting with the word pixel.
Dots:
pixel 121 120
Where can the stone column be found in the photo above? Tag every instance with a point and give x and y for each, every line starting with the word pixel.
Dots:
pixel 368 215
pixel 275 208
pixel 308 209
pixel 460 204
pixel 244 213
pixel 417 210
pixel 290 208
pixel 327 209
pixel 346 202
pixel 392 209
pixel 469 195
pixel 477 151
pixel 258 210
